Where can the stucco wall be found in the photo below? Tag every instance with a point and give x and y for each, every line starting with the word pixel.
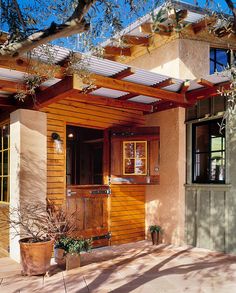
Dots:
pixel 185 59
pixel 165 202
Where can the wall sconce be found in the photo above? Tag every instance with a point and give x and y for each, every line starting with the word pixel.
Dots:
pixel 57 142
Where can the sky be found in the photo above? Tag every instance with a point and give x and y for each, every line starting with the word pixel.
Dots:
pixel 77 42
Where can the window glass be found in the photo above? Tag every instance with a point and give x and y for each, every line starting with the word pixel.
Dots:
pixel 208 152
pixel 4 163
pixel 219 59
pixel 134 157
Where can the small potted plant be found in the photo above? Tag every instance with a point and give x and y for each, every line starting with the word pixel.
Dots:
pixel 155 233
pixel 67 251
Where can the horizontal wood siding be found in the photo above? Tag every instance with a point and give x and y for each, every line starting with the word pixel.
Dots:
pixel 72 112
pixel 127 213
pixel 4 230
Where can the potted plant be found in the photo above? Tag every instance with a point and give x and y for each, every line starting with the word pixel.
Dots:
pixel 67 251
pixel 155 233
pixel 38 225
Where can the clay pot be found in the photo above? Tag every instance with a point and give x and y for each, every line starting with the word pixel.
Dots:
pixel 60 257
pixel 155 238
pixel 35 257
pixel 72 261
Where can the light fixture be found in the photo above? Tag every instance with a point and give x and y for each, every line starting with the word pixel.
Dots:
pixel 71 135
pixel 57 142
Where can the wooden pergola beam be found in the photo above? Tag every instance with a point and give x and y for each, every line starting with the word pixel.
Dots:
pixel 53 94
pixel 109 102
pixel 204 93
pixel 184 87
pixel 117 51
pixel 205 83
pixel 162 106
pixel 136 40
pixel 65 88
pixel 131 87
pixel 24 65
pixel 124 73
pixel 7 103
pixel 202 24
pixel 147 28
pixel 164 83
pixel 161 84
pixel 11 86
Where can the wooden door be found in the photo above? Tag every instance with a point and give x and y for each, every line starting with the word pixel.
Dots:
pixel 89 204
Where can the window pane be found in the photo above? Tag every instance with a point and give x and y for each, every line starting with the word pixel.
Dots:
pixel 140 167
pixel 212 67
pixel 1 195
pixel 5 163
pixel 129 166
pixel 201 168
pixel 5 130
pixel 217 166
pixel 140 150
pixel 129 150
pixel 216 143
pixel 5 181
pixel 222 58
pixel 202 138
pixel 1 163
pixel 0 138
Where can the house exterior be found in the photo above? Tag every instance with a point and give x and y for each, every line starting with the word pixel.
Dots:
pixel 124 158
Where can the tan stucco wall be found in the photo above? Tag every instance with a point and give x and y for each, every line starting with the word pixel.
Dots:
pixel 28 164
pixel 165 203
pixel 185 59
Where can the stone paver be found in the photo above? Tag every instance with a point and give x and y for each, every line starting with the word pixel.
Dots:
pixel 136 267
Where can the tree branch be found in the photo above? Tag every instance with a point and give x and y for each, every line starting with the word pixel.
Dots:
pixel 74 24
pixel 233 10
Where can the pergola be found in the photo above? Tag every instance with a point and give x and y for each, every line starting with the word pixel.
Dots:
pixel 113 84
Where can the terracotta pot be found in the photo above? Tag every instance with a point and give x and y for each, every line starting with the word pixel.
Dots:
pixel 72 261
pixel 35 257
pixel 60 257
pixel 155 238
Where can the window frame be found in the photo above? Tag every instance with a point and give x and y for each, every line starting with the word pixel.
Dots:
pixel 209 152
pixel 2 175
pixel 214 59
pixel 135 158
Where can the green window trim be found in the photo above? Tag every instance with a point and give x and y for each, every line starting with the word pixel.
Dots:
pixel 4 163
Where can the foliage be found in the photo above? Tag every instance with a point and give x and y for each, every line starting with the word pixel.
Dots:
pixel 155 228
pixel 35 221
pixel 73 245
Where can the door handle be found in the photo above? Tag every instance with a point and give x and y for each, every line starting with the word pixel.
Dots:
pixel 70 192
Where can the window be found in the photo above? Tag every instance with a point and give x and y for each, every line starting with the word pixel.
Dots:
pixel 4 163
pixel 219 59
pixel 135 158
pixel 135 155
pixel 84 156
pixel 208 152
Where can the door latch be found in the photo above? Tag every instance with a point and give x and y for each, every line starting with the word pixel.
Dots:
pixel 70 192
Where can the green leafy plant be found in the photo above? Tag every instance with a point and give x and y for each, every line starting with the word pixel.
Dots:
pixel 155 228
pixel 73 245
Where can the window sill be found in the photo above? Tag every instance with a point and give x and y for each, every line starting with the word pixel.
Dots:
pixel 208 185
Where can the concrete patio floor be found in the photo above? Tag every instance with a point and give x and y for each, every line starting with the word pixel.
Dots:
pixel 137 267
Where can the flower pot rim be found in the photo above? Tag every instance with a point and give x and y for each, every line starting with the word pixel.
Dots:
pixel 25 242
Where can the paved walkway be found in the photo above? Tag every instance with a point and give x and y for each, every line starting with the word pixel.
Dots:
pixel 138 267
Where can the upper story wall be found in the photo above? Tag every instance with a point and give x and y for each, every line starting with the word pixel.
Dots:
pixel 181 58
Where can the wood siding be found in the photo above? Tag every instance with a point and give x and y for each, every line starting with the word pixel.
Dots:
pixel 4 230
pixel 211 217
pixel 127 213
pixel 72 112
pixel 127 203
